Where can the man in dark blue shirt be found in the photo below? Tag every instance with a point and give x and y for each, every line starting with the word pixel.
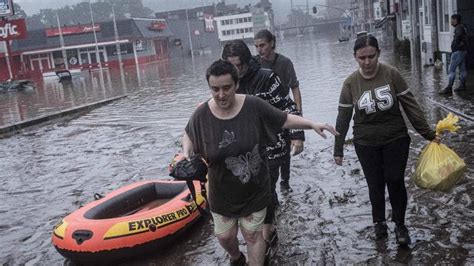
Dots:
pixel 458 55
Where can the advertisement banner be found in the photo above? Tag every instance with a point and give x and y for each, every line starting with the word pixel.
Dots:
pixel 6 8
pixel 158 25
pixel 69 30
pixel 209 23
pixel 12 29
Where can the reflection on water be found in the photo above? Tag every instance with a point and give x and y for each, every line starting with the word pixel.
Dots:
pixel 51 171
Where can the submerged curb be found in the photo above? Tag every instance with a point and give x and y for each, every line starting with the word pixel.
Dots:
pixel 455 111
pixel 12 129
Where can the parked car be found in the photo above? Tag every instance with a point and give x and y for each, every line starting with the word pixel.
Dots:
pixel 361 33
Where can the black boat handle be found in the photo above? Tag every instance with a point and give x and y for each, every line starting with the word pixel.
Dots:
pixel 82 235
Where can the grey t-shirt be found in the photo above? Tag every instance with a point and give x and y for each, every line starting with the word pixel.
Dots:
pixel 283 66
pixel 235 151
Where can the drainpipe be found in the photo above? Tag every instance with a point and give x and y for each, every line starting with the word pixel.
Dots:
pixel 434 31
pixel 415 31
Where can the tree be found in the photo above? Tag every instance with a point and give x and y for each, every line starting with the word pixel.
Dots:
pixel 80 13
pixel 18 12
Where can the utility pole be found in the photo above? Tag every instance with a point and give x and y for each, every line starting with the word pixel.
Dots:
pixel 95 38
pixel 117 39
pixel 307 13
pixel 97 53
pixel 7 57
pixel 61 41
pixel 190 39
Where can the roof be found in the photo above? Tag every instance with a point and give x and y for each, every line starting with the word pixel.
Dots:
pixel 135 28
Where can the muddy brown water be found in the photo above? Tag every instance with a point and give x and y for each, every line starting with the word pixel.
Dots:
pixel 50 171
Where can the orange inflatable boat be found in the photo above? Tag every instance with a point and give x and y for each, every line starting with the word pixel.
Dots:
pixel 133 220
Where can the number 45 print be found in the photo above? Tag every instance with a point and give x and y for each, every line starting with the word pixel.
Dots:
pixel 382 94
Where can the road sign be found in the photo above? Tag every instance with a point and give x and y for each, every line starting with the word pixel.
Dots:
pixel 12 29
pixel 6 8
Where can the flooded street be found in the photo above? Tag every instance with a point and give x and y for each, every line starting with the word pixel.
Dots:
pixel 50 171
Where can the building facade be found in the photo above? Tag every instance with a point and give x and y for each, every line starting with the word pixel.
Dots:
pixel 196 30
pixel 75 48
pixel 364 16
pixel 435 32
pixel 235 26
pixel 243 25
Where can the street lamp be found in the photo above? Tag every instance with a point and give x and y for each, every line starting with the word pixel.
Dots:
pixel 344 12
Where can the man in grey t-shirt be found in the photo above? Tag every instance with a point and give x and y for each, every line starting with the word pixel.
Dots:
pixel 265 44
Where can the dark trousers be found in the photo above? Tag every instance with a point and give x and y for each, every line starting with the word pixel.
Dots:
pixel 385 165
pixel 275 168
pixel 285 165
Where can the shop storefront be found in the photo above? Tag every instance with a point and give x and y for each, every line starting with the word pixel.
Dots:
pixel 44 51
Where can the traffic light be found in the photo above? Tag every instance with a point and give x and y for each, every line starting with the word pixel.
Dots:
pixel 315 10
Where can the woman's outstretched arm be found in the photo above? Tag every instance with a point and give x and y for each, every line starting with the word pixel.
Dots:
pixel 298 122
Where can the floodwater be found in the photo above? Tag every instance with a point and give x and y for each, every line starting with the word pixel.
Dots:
pixel 50 171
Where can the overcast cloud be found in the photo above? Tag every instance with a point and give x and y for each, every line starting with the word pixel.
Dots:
pixel 281 7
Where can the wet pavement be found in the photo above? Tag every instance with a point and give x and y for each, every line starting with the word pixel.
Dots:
pixel 52 170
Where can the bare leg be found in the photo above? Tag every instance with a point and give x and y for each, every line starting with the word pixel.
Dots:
pixel 255 246
pixel 229 242
pixel 267 231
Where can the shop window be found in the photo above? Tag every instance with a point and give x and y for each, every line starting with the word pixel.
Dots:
pixel 125 48
pixel 72 57
pixel 84 59
pixel 58 59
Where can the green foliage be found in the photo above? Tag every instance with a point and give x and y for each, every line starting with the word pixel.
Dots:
pixel 80 13
pixel 19 13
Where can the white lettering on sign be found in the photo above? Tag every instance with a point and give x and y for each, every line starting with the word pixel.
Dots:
pixel 8 30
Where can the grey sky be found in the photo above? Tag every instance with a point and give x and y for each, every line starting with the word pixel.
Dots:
pixel 281 7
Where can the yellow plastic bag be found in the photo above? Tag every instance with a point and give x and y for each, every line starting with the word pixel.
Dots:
pixel 448 123
pixel 439 167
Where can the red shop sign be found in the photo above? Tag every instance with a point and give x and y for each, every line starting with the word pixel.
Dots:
pixel 157 25
pixel 68 30
pixel 12 29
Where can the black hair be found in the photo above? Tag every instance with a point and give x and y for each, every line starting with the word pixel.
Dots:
pixel 364 41
pixel 237 48
pixel 267 35
pixel 221 67
pixel 457 17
